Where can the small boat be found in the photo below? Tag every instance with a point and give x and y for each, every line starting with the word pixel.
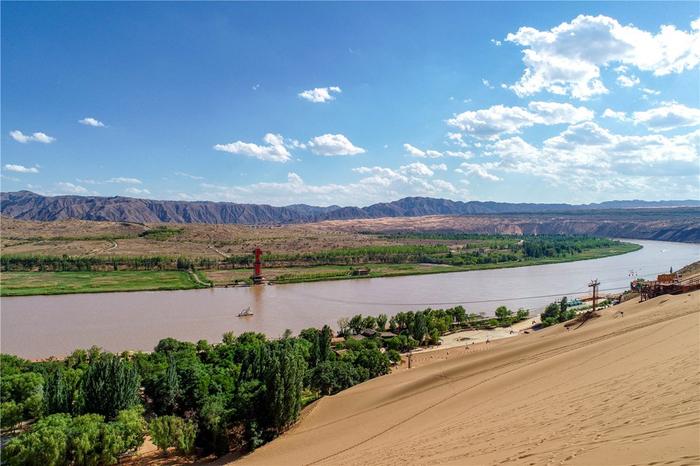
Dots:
pixel 245 312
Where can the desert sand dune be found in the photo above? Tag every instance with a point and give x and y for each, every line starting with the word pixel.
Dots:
pixel 618 390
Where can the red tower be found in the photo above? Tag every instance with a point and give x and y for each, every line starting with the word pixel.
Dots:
pixel 257 276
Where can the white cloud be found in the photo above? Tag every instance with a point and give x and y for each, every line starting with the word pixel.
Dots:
pixel 587 156
pixel 627 81
pixel 419 153
pixel 459 154
pixel 20 168
pixel 124 180
pixel 413 151
pixel 668 117
pixel 70 188
pixel 137 191
pixel 567 58
pixel 481 170
pixel 417 169
pixel 333 144
pixel 438 166
pixel 648 91
pixel 610 113
pixel 89 121
pixel 495 42
pixel 498 119
pixel 376 185
pixel 486 83
pixel 18 136
pixel 320 94
pixel 275 151
pixel 457 139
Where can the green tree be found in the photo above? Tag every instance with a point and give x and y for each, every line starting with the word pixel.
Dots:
pixel 324 342
pixel 132 427
pixel 522 314
pixel 332 376
pixel 11 414
pixel 61 392
pixel 369 322
pixel 109 385
pixel 46 444
pixel 420 327
pixel 356 324
pixel 381 322
pixel 164 431
pixel 283 378
pixel 504 315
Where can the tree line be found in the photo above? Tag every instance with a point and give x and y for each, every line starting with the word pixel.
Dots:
pixel 94 406
pixel 485 249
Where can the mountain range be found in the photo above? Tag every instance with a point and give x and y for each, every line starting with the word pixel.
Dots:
pixel 26 205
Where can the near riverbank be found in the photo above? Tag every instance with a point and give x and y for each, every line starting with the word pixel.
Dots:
pixel 619 389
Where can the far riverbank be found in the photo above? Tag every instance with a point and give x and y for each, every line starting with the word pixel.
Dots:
pixel 56 283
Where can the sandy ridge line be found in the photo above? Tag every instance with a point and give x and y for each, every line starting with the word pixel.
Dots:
pixel 534 358
pixel 530 360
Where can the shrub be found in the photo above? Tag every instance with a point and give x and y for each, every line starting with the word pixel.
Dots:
pixel 164 430
pixel 173 431
pixel 11 414
pixel 332 376
pixel 394 356
pixel 132 427
pixel 46 444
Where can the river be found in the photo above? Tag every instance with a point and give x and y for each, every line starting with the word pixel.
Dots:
pixel 42 326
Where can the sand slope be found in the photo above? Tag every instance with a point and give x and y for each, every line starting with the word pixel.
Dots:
pixel 619 390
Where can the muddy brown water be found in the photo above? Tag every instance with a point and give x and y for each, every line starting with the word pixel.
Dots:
pixel 42 326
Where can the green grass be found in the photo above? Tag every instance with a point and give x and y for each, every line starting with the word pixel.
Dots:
pixel 46 283
pixel 323 273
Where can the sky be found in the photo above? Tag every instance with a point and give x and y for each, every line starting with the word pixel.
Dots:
pixel 352 103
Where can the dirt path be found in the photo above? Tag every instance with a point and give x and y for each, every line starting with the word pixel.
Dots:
pixel 113 245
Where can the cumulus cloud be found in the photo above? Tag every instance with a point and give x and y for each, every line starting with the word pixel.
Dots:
pixel 566 60
pixel 20 168
pixel 320 94
pixel 376 185
pixel 438 166
pixel 456 139
pixel 610 113
pixel 587 156
pixel 668 117
pixel 332 145
pixel 274 151
pixel 89 121
pixel 44 138
pixel 480 170
pixel 627 81
pixel 124 180
pixel 416 152
pixel 498 120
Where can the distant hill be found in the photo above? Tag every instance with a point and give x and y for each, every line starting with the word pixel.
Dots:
pixel 27 205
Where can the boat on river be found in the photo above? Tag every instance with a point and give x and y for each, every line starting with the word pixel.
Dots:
pixel 245 312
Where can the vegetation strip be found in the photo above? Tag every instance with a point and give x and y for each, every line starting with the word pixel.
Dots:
pixel 31 274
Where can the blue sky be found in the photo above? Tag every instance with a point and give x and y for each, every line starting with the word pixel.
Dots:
pixel 352 103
